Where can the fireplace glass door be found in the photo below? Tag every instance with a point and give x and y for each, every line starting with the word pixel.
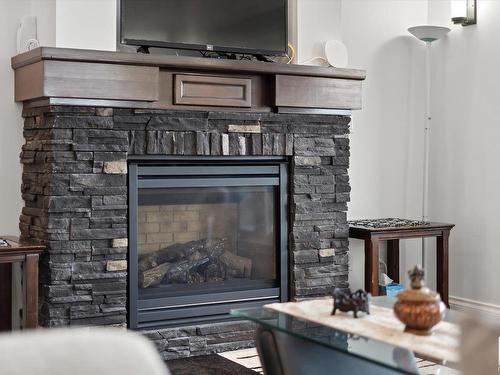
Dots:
pixel 206 238
pixel 193 240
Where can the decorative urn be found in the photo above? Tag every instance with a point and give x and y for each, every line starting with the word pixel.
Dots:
pixel 418 307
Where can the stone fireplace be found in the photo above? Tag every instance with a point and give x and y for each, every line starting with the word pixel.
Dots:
pixel 161 211
pixel 76 200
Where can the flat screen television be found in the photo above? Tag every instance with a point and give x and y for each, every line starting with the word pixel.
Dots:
pixel 237 26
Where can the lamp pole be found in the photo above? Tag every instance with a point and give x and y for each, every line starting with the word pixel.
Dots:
pixel 427 34
pixel 427 130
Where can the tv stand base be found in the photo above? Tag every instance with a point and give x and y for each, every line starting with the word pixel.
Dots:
pixel 143 49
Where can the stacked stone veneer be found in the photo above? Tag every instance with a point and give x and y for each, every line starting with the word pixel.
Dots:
pixel 75 193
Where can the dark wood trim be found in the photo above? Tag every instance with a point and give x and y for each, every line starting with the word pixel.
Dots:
pixel 30 278
pixel 442 266
pixel 5 297
pixel 430 225
pixel 431 230
pixel 27 253
pixel 314 111
pixel 11 258
pixel 14 256
pixel 181 62
pixel 371 266
pixel 393 260
pixel 139 105
pixel 43 102
pixel 373 236
pixel 400 235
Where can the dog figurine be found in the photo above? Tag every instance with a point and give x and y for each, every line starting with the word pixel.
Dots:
pixel 346 301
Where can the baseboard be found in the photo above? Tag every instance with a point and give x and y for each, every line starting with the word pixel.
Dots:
pixel 469 305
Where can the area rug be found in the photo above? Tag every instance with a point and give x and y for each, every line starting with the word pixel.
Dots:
pixel 207 365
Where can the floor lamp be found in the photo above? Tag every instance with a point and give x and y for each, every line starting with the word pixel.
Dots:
pixel 427 34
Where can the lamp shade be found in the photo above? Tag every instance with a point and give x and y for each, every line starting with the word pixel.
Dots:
pixel 428 33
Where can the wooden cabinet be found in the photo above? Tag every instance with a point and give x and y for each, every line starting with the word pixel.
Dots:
pixel 27 254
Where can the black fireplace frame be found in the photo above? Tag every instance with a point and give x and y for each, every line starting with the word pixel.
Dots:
pixel 144 172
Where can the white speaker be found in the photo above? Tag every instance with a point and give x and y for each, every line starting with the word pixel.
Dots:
pixel 336 53
pixel 27 34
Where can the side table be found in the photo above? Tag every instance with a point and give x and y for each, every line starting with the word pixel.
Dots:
pixel 392 230
pixel 28 254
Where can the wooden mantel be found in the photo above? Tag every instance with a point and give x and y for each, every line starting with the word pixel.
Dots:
pixel 61 76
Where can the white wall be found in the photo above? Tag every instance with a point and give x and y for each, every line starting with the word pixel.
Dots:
pixel 465 152
pixel 317 22
pixel 386 145
pixel 385 141
pixel 87 24
pixel 11 135
pixel 45 12
pixel 11 126
pixel 63 23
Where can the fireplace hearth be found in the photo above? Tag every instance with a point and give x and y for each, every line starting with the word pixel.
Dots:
pixel 206 235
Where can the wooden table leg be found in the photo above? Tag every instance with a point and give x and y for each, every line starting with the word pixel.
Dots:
pixel 30 280
pixel 5 297
pixel 442 260
pixel 393 260
pixel 371 265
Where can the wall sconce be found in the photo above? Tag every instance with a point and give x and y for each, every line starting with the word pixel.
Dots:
pixel 464 12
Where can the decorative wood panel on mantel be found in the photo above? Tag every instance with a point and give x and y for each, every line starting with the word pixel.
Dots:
pixel 212 90
pixel 86 80
pixel 317 92
pixel 100 78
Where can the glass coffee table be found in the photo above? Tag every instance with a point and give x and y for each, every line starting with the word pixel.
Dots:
pixel 293 346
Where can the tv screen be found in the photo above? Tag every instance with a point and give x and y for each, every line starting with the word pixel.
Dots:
pixel 240 26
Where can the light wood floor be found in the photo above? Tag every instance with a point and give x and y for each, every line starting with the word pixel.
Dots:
pixel 250 359
pixel 245 357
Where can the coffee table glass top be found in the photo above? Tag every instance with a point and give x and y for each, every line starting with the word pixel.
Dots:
pixel 367 349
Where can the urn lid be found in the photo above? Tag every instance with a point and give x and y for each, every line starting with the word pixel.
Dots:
pixel 418 292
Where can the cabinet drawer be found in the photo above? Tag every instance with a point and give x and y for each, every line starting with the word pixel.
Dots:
pixel 212 91
pixel 317 92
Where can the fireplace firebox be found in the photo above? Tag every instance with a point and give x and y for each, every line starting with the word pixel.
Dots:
pixel 205 236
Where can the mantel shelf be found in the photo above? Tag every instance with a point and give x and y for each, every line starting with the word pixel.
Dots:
pixel 50 75
pixel 181 62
